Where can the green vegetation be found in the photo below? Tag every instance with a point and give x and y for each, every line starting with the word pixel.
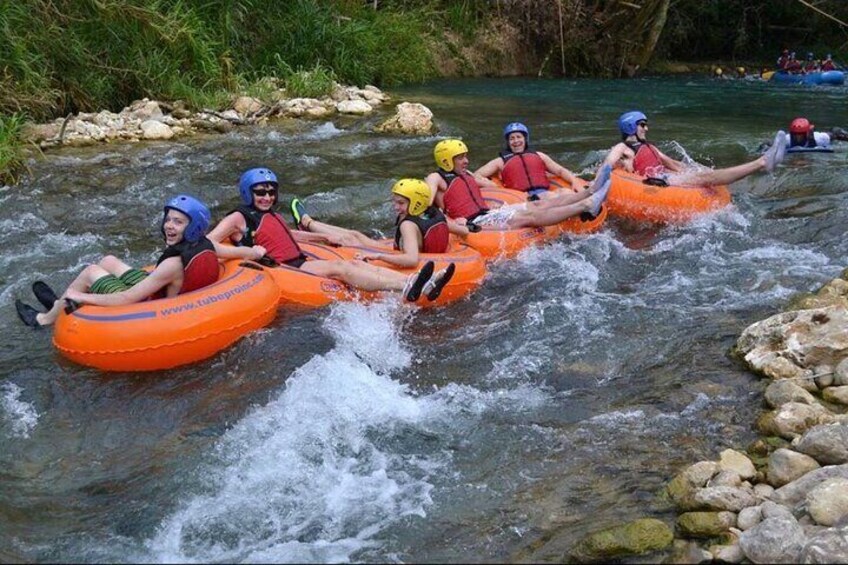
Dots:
pixel 11 155
pixel 66 56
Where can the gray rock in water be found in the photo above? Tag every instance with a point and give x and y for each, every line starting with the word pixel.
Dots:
pixel 786 465
pixel 636 537
pixel 827 444
pixel 774 540
pixel 826 546
pixel 795 492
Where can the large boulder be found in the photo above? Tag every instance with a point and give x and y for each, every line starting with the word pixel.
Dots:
pixel 786 465
pixel 705 524
pixel 826 546
pixel 826 444
pixel 410 118
pixel 639 536
pixel 774 540
pixel 827 503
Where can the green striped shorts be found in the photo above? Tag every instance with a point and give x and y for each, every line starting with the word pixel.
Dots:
pixel 110 284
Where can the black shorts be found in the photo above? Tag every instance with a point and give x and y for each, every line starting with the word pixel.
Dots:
pixel 296 263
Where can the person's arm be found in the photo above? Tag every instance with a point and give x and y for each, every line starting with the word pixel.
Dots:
pixel 458 226
pixel 668 162
pixel 410 253
pixel 232 252
pixel 232 224
pixel 618 156
pixel 558 170
pixel 165 273
pixel 490 169
pixel 437 187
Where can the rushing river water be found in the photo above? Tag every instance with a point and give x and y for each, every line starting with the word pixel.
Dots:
pixel 555 401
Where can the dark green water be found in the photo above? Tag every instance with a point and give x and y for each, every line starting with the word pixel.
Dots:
pixel 555 401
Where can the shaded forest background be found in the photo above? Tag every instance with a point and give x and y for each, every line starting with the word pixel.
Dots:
pixel 61 56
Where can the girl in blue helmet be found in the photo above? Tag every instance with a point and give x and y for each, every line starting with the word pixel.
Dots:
pixel 255 221
pixel 636 154
pixel 189 262
pixel 522 168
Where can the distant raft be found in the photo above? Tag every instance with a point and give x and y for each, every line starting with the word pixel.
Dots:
pixel 833 78
pixel 633 196
pixel 169 332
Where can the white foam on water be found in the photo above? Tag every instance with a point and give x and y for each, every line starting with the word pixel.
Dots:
pixel 324 131
pixel 19 417
pixel 308 476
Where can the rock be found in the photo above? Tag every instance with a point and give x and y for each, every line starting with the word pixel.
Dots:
pixel 836 394
pixel 224 126
pixel 783 391
pixel 143 110
pixel 795 492
pixel 246 105
pixel 231 116
pixel 409 118
pixel 634 538
pixel 834 293
pixel 763 491
pixel 786 465
pixel 840 373
pixel 687 553
pixel 774 540
pixel 826 546
pixel 824 377
pixel 705 524
pixel 827 503
pixel 317 112
pixel 358 107
pixel 749 517
pixel 725 498
pixel 793 419
pixel 826 444
pixel 36 133
pixel 152 129
pixel 728 553
pixel 681 489
pixel 725 478
pixel 732 460
pixel 771 509
pixel 786 344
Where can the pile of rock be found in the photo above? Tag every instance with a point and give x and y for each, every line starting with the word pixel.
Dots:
pixel 794 508
pixel 151 120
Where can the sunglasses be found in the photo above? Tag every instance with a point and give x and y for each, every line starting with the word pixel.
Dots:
pixel 642 124
pixel 265 192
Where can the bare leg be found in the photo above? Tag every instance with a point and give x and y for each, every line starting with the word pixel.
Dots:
pixel 358 274
pixel 552 215
pixel 346 236
pixel 723 176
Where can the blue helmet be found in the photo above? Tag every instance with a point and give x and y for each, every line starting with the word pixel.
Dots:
pixel 253 177
pixel 197 213
pixel 627 122
pixel 809 55
pixel 517 127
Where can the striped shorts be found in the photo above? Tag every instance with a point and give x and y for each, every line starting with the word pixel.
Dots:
pixel 110 284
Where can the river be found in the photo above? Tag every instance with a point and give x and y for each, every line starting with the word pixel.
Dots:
pixel 556 400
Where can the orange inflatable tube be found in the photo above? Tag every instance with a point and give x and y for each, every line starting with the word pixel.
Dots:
pixel 166 333
pixel 469 274
pixel 631 197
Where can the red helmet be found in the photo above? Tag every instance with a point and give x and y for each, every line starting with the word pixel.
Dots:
pixel 800 125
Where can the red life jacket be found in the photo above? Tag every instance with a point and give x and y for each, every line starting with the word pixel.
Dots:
pixel 524 171
pixel 200 265
pixel 269 230
pixel 792 66
pixel 647 160
pixel 811 67
pixel 434 230
pixel 828 66
pixel 781 62
pixel 462 198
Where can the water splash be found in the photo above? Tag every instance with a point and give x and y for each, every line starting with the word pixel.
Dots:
pixel 19 417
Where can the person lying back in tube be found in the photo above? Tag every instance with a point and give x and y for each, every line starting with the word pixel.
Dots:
pixel 189 262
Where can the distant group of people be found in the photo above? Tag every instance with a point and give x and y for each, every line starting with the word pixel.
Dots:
pixel 448 201
pixel 789 63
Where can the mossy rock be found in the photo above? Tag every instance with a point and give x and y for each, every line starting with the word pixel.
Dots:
pixel 705 524
pixel 633 538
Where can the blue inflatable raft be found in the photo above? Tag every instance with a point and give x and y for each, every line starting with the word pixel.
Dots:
pixel 826 77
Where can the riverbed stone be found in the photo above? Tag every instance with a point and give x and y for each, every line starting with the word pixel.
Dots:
pixel 358 107
pixel 409 118
pixel 836 394
pixel 829 545
pixel 633 538
pixel 686 552
pixel 705 524
pixel 833 293
pixel 725 498
pixel 681 489
pixel 749 517
pixel 725 478
pixel 780 392
pixel 732 460
pixel 795 493
pixel 154 129
pixel 786 465
pixel 827 502
pixel 246 105
pixel 840 373
pixel 793 419
pixel 827 444
pixel 728 553
pixel 143 110
pixel 774 540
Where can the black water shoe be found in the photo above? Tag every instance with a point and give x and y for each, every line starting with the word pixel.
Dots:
pixel 44 294
pixel 433 288
pixel 416 281
pixel 27 314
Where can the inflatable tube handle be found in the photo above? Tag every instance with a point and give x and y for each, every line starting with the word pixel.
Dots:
pixel 654 181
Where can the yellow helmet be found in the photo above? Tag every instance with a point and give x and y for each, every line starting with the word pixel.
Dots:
pixel 416 191
pixel 446 150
